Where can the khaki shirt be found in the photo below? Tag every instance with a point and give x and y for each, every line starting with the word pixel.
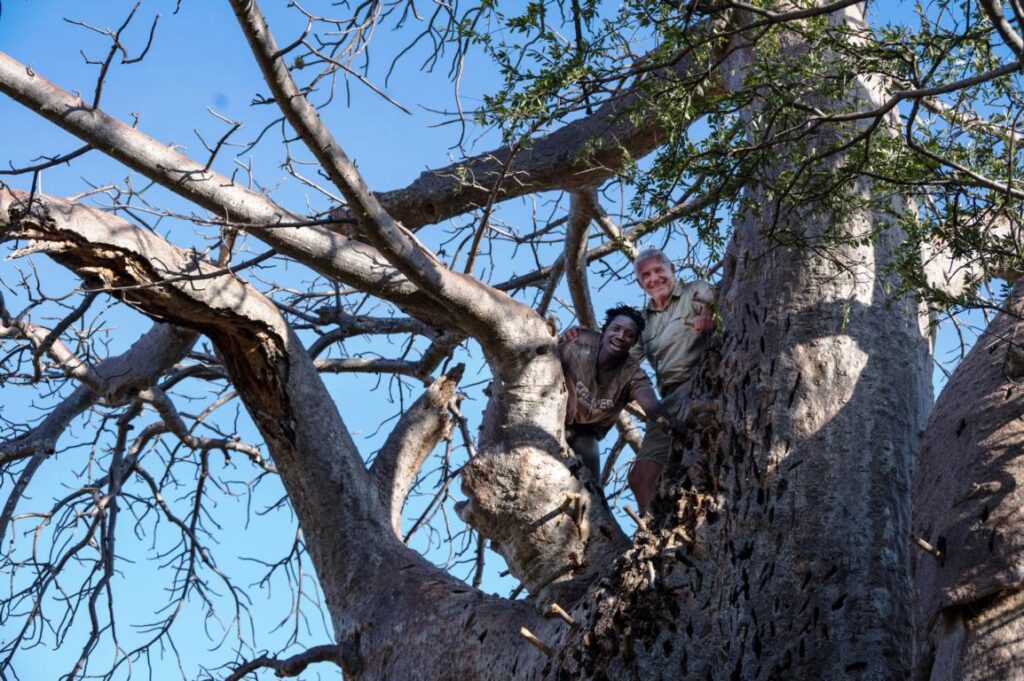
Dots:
pixel 671 346
pixel 592 404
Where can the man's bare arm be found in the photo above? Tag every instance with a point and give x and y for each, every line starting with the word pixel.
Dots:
pixel 656 411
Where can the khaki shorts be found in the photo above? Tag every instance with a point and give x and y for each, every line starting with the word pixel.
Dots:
pixel 657 442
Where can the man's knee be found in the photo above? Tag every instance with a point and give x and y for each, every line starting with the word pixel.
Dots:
pixel 643 481
pixel 645 471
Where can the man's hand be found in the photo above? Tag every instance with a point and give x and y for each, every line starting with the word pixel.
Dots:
pixel 677 426
pixel 704 321
pixel 569 335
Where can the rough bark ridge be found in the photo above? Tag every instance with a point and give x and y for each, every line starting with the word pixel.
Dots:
pixel 967 505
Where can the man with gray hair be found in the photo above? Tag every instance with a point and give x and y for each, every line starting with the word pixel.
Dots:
pixel 678 322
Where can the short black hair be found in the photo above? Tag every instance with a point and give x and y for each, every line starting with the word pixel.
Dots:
pixel 624 311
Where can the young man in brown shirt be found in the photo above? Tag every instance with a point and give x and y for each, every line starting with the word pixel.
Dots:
pixel 602 378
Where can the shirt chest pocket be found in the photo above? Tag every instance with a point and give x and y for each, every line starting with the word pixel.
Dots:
pixel 676 324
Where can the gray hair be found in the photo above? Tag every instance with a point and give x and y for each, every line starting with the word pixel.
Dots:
pixel 650 253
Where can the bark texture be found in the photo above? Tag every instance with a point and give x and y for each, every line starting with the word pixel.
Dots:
pixel 968 504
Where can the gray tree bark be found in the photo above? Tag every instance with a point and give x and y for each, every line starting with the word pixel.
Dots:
pixel 968 501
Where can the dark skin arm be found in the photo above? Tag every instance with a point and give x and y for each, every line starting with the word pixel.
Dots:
pixel 656 412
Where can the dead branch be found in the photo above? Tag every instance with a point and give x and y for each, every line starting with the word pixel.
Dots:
pixel 343 655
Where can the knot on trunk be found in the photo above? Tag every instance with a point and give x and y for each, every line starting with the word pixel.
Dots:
pixel 553 533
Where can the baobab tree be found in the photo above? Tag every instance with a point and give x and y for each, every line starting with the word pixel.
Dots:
pixel 850 183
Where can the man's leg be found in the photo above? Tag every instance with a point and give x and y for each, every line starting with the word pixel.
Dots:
pixel 587 448
pixel 655 451
pixel 643 481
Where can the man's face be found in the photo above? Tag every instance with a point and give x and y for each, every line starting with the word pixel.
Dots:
pixel 619 337
pixel 657 278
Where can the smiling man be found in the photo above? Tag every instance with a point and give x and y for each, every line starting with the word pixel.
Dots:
pixel 678 321
pixel 602 378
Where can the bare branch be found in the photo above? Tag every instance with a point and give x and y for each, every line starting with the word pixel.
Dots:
pixel 464 296
pixel 49 162
pixel 994 11
pixel 266 363
pixel 582 208
pixel 332 254
pixel 581 154
pixel 45 341
pixel 421 427
pixel 344 655
pixel 120 379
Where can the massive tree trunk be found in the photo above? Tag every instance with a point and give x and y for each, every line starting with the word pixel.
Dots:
pixel 780 547
pixel 967 507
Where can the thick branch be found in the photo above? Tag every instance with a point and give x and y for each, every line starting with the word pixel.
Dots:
pixel 581 154
pixel 524 415
pixel 416 434
pixel 969 120
pixel 319 466
pixel 582 208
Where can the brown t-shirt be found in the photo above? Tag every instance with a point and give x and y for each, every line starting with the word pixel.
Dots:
pixel 592 404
